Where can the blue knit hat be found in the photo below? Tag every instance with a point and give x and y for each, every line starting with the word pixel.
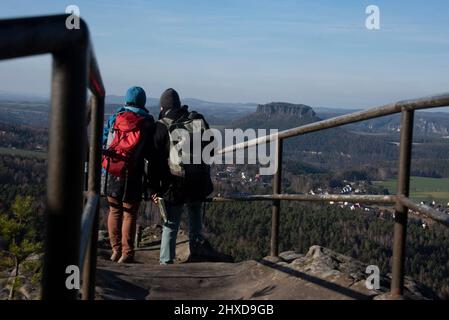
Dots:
pixel 135 96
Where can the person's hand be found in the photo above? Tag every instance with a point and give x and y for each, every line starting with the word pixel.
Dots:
pixel 154 198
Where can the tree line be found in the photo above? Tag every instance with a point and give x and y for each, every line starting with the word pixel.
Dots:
pixel 243 229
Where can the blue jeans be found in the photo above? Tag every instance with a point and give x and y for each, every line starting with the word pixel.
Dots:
pixel 170 228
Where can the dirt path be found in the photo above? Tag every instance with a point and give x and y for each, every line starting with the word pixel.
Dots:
pixel 265 279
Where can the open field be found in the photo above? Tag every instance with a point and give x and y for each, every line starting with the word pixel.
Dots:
pixel 23 153
pixel 423 189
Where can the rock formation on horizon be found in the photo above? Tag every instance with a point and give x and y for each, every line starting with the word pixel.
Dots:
pixel 287 109
pixel 277 115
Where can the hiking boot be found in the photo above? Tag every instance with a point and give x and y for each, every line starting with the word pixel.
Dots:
pixel 115 256
pixel 126 259
pixel 202 251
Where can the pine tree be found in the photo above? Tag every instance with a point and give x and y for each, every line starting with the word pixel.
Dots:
pixel 18 230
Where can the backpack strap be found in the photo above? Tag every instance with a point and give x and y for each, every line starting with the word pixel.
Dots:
pixel 192 115
pixel 166 121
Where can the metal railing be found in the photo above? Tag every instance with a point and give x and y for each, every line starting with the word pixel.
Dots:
pixel 401 200
pixel 72 231
pixel 74 68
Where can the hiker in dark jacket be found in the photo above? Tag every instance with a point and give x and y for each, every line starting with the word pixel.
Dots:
pixel 127 143
pixel 180 194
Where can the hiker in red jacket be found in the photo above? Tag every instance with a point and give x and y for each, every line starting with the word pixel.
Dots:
pixel 126 142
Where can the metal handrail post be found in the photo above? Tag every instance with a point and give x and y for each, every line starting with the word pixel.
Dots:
pixel 65 169
pixel 401 211
pixel 94 181
pixel 276 207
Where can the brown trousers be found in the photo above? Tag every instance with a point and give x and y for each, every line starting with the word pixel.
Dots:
pixel 122 221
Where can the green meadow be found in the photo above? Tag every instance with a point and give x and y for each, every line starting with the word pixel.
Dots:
pixel 423 189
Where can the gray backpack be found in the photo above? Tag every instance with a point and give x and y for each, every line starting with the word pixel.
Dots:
pixel 191 173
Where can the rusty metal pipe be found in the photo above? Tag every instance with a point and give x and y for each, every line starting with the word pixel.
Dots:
pixel 39 35
pixel 401 211
pixel 65 169
pixel 87 222
pixel 374 199
pixel 94 182
pixel 74 67
pixel 276 206
pixel 427 211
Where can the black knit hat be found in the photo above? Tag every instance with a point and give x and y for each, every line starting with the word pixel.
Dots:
pixel 169 100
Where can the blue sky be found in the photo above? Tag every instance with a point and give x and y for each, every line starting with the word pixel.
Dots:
pixel 313 52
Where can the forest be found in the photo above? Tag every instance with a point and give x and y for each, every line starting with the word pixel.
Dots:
pixel 243 230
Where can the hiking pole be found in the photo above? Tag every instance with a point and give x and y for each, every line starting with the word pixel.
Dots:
pixel 139 227
pixel 138 238
pixel 162 209
pixel 204 212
